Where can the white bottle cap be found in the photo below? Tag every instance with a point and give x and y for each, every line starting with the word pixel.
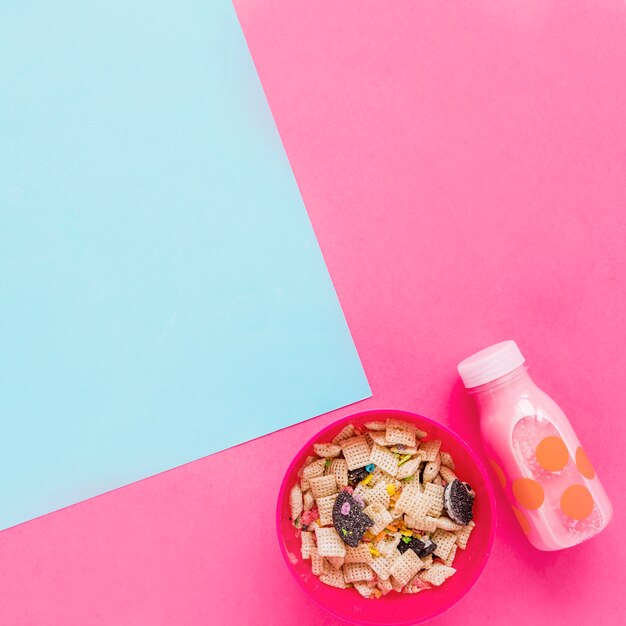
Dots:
pixel 490 363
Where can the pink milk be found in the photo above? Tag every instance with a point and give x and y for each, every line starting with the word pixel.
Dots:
pixel 534 451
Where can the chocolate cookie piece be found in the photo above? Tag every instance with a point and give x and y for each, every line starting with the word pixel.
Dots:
pixel 355 476
pixel 458 499
pixel 429 547
pixel 349 520
pixel 414 544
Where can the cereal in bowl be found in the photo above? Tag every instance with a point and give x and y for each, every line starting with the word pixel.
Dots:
pixel 380 509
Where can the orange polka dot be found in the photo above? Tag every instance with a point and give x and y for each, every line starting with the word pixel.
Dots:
pixel 528 493
pixel 576 502
pixel 552 454
pixel 498 472
pixel 584 464
pixel 523 522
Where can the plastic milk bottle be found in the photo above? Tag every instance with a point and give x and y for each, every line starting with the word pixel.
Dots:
pixel 550 483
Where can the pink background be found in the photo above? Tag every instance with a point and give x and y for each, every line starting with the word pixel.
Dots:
pixel 464 165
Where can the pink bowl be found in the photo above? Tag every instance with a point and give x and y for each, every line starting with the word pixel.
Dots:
pixel 396 609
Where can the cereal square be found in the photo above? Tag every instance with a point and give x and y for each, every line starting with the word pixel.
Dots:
pixel 334 578
pixel 413 502
pixel 405 567
pixel 360 554
pixel 385 459
pixel 378 494
pixel 353 572
pixel 379 515
pixel 329 542
pixel 408 469
pixel 347 432
pixel 323 486
pixel 307 543
pixel 326 450
pixel 325 509
pixel 462 536
pixel 356 452
pixel 400 432
pixel 430 449
pixel 339 469
pixel 435 493
pixel 437 574
pixel 444 540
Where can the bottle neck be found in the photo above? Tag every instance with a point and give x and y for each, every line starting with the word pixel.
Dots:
pixel 516 382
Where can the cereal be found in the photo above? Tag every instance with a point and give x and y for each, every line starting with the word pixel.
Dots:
pixel 378 437
pixel 451 555
pixel 446 460
pixel 353 572
pixel 400 432
pixel 380 565
pixel 312 471
pixel 447 474
pixel 325 508
pixel 307 543
pixel 347 432
pixel 430 449
pixel 296 504
pixel 405 567
pixel 378 494
pixel 329 543
pixel 435 493
pixel 360 554
pixel 426 524
pixel 323 486
pixel 336 562
pixel 385 459
pixel 334 578
pixel 363 588
pixel 413 502
pixel 437 574
pixel 431 470
pixel 327 450
pixel 379 515
pixel 308 500
pixel 388 544
pixel 384 585
pixel 408 469
pixel 402 449
pixel 356 451
pixel 462 536
pixel 376 505
pixel 339 469
pixel 445 523
pixel 444 540
pixel 376 425
pixel 318 563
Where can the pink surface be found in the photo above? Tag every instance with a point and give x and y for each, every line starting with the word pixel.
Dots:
pixel 396 609
pixel 464 165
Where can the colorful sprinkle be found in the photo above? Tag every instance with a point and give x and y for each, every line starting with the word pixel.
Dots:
pixel 391 489
pixel 345 508
pixel 370 468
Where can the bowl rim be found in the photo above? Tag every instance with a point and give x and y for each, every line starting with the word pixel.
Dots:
pixel 398 413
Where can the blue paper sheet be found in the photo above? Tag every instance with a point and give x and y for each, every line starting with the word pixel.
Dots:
pixel 162 294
